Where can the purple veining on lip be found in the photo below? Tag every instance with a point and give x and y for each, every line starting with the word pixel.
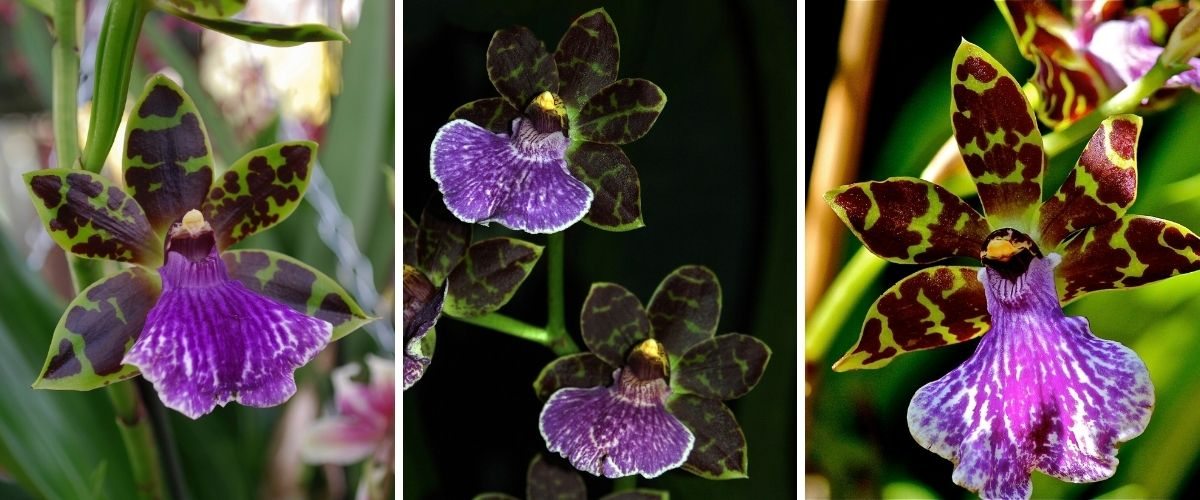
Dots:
pixel 1041 392
pixel 616 431
pixel 520 181
pixel 209 340
pixel 1128 52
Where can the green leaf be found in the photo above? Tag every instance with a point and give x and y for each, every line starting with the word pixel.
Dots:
pixel 410 241
pixel 489 275
pixel 275 35
pixel 1131 251
pixel 638 494
pixel 1102 185
pixel 587 57
pixel 91 217
pixel 620 113
pixel 909 221
pixel 612 322
pixel 297 285
pixel 725 367
pixel 493 113
pixel 573 370
pixel 259 190
pixel 720 448
pixel 933 307
pixel 207 8
pixel 617 205
pixel 168 160
pixel 98 327
pixel 552 481
pixel 519 66
pixel 998 138
pixel 685 309
pixel 442 241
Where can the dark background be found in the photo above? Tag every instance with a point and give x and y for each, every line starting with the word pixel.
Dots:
pixel 718 176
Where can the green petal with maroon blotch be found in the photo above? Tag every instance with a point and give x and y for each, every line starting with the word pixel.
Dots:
pixel 275 35
pixel 100 324
pixel 725 367
pixel 89 216
pixel 168 160
pixel 410 241
pixel 442 240
pixel 908 220
pixel 685 309
pixel 547 480
pixel 493 113
pixel 998 138
pixel 720 448
pixel 1131 251
pixel 1069 87
pixel 620 113
pixel 933 307
pixel 1102 186
pixel 259 190
pixel 519 66
pixel 604 168
pixel 638 494
pixel 298 286
pixel 573 370
pixel 207 8
pixel 587 57
pixel 489 275
pixel 612 321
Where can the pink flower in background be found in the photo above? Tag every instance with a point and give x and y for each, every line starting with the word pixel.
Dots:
pixel 362 427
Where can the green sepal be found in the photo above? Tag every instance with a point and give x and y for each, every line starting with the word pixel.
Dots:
pixel 298 286
pixel 98 327
pixel 168 163
pixel 1131 251
pixel 604 168
pixel 725 367
pixel 519 66
pixel 493 113
pixel 908 220
pixel 489 275
pixel 933 307
pixel 89 216
pixel 546 480
pixel 442 241
pixel 207 8
pixel 998 138
pixel 259 190
pixel 275 35
pixel 612 322
pixel 620 113
pixel 587 57
pixel 410 241
pixel 719 451
pixel 685 309
pixel 638 494
pixel 573 370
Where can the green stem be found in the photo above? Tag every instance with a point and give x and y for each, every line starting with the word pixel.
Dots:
pixel 556 322
pixel 627 483
pixel 114 60
pixel 510 326
pixel 138 436
pixel 65 61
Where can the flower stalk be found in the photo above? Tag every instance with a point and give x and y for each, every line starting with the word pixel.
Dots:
pixel 114 61
pixel 65 66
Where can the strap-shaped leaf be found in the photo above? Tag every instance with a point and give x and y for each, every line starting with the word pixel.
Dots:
pixel 168 160
pixel 1102 186
pixel 685 308
pixel 574 370
pixel 1131 251
pixel 493 113
pixel 612 322
pixel 100 324
pixel 489 275
pixel 724 367
pixel 617 205
pixel 933 307
pixel 909 221
pixel 259 190
pixel 998 138
pixel 410 241
pixel 1069 87
pixel 275 35
pixel 91 217
pixel 587 57
pixel 519 66
pixel 298 286
pixel 620 113
pixel 442 240
pixel 207 8
pixel 638 494
pixel 720 448
pixel 546 480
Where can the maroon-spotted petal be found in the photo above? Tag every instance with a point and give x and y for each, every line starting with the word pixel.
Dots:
pixel 422 308
pixel 1131 251
pixel 519 66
